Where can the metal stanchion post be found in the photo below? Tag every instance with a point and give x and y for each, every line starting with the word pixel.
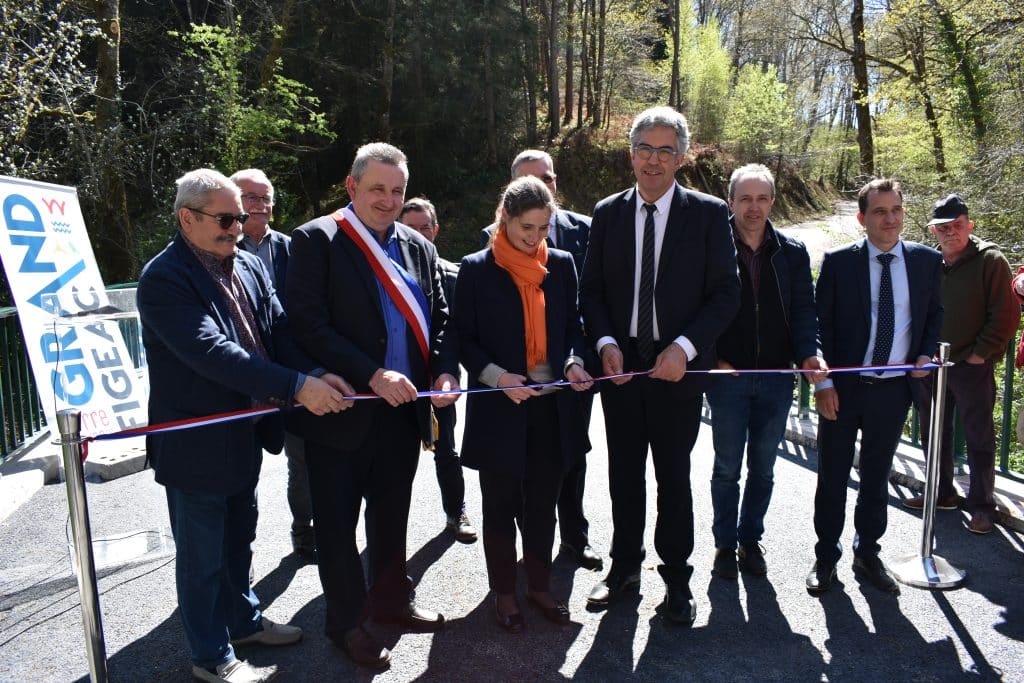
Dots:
pixel 924 569
pixel 85 568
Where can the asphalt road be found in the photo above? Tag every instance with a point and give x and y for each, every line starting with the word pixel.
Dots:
pixel 762 629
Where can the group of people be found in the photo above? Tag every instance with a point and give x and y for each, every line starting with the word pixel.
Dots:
pixel 661 282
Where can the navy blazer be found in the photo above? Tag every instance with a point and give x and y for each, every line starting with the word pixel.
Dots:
pixel 197 367
pixel 336 317
pixel 572 231
pixel 488 317
pixel 697 293
pixel 843 296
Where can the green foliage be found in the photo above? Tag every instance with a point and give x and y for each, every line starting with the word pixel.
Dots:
pixel 707 82
pixel 759 112
pixel 250 124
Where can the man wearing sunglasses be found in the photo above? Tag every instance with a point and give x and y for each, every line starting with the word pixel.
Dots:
pixel 569 232
pixel 215 336
pixel 273 248
pixel 659 286
pixel 981 317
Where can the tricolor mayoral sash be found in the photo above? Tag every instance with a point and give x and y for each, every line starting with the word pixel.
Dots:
pixel 387 273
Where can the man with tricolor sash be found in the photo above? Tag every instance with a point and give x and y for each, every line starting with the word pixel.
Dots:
pixel 366 300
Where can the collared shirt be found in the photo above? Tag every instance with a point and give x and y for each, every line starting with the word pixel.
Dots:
pixel 662 206
pixel 751 259
pixel 396 357
pixel 261 249
pixel 901 305
pixel 553 230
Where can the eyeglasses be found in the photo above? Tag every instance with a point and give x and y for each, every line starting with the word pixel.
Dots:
pixel 548 178
pixel 224 220
pixel 248 196
pixel 665 154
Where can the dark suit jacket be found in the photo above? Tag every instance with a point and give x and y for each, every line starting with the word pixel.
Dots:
pixel 843 296
pixel 336 317
pixel 697 292
pixel 197 367
pixel 572 231
pixel 489 322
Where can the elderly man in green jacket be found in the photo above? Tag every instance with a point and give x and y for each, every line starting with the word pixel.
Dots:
pixel 981 317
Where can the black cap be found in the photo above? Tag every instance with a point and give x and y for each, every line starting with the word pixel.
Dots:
pixel 948 209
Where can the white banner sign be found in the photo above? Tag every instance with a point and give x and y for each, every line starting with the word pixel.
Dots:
pixel 51 269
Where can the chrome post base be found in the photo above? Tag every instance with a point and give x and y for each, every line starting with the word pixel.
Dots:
pixel 927 572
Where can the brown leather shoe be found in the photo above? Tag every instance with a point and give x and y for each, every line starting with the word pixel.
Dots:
pixel 981 523
pixel 361 647
pixel 948 503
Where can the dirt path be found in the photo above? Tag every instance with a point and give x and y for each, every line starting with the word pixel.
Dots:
pixel 824 233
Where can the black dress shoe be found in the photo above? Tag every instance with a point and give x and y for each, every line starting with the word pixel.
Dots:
pixel 873 569
pixel 513 623
pixel 414 618
pixel 462 528
pixel 557 614
pixel 680 606
pixel 306 551
pixel 612 585
pixel 586 557
pixel 360 646
pixel 725 563
pixel 821 577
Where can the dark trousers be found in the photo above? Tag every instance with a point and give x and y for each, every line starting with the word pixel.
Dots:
pixel 213 535
pixel 298 491
pixel 971 390
pixel 533 496
pixel 573 526
pixel 447 464
pixel 878 412
pixel 381 471
pixel 640 413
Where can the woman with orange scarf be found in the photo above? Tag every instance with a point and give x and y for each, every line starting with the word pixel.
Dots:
pixel 518 323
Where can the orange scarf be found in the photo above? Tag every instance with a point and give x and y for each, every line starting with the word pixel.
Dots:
pixel 527 273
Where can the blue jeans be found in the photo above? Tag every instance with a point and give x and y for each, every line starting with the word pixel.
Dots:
pixel 213 534
pixel 746 411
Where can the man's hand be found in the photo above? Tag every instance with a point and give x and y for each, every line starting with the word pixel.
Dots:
pixel 393 387
pixel 445 383
pixel 815 363
pixel 975 359
pixel 514 389
pixel 923 360
pixel 320 398
pixel 576 373
pixel 341 385
pixel 827 403
pixel 611 362
pixel 670 365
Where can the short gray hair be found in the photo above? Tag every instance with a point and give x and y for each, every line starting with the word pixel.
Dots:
pixel 660 117
pixel 377 151
pixel 420 204
pixel 194 186
pixel 759 171
pixel 528 155
pixel 255 175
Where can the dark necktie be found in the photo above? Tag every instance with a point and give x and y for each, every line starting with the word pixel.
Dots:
pixel 645 300
pixel 886 314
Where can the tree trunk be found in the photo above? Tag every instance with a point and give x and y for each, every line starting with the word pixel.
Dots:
pixel 115 237
pixel 570 58
pixel 674 96
pixel 529 74
pixel 387 76
pixel 599 25
pixel 865 140
pixel 584 61
pixel 554 115
pixel 914 44
pixel 963 61
pixel 489 99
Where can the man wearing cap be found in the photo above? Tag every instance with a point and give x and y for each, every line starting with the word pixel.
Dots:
pixel 981 317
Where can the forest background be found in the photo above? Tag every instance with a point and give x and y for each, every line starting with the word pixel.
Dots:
pixel 120 97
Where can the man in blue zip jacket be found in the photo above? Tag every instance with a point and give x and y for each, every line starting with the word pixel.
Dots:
pixel 776 327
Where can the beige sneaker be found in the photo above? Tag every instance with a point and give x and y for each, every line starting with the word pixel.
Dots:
pixel 271 634
pixel 235 671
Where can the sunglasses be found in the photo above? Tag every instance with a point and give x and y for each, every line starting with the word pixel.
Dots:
pixel 224 220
